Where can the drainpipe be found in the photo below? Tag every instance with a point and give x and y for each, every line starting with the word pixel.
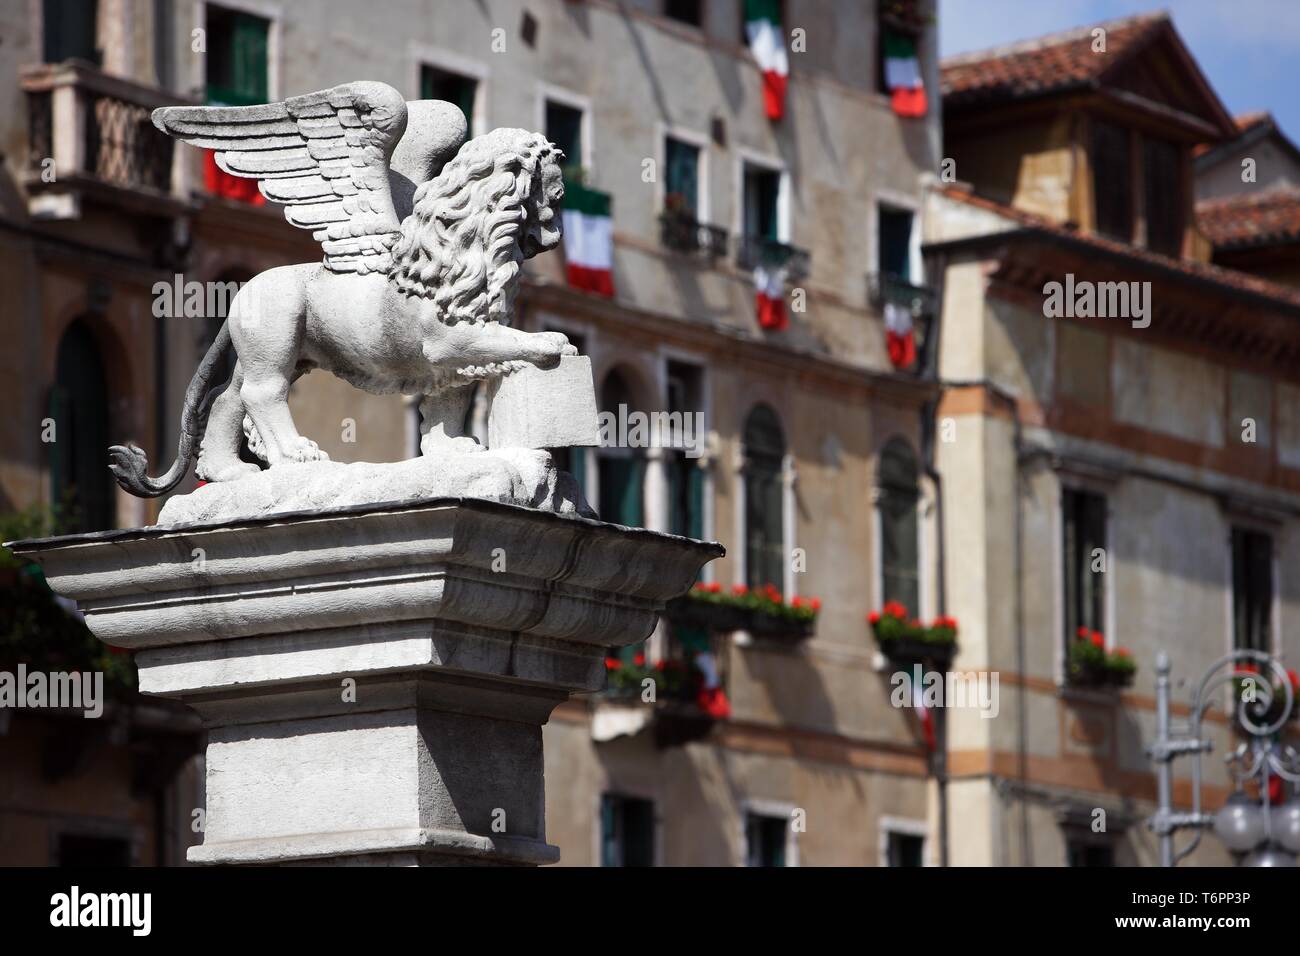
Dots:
pixel 936 266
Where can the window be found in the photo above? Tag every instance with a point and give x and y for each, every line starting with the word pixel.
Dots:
pixel 905 849
pixel 894 242
pixel 1112 176
pixel 69 30
pixel 682 176
pixel 764 499
pixel 765 838
pixel 627 830
pixel 899 544
pixel 438 84
pixel 236 57
pixel 1084 541
pixel 685 477
pixel 94 851
pixel 1252 589
pixel 621 469
pixel 1162 196
pixel 762 194
pixel 564 129
pixel 1087 853
pixel 79 479
pixel 685 11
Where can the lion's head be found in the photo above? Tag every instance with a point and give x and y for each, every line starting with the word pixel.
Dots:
pixel 493 206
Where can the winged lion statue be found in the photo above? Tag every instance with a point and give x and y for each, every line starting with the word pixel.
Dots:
pixel 423 236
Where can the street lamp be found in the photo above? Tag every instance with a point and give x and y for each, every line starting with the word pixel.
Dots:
pixel 1255 832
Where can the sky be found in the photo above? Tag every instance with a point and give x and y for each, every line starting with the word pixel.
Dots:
pixel 1249 49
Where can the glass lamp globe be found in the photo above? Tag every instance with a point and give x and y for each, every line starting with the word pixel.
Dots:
pixel 1286 824
pixel 1240 823
pixel 1271 855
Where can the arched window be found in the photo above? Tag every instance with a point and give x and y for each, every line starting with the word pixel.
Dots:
pixel 81 487
pixel 621 469
pixel 764 499
pixel 899 546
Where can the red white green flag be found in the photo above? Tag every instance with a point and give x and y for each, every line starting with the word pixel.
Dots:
pixel 900 340
pixel 769 288
pixel 767 43
pixel 903 75
pixel 588 239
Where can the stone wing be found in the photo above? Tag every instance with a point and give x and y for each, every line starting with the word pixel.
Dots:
pixel 324 155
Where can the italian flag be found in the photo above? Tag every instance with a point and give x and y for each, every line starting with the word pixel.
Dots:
pixel 588 239
pixel 711 699
pixel 903 74
pixel 769 288
pixel 767 43
pixel 900 340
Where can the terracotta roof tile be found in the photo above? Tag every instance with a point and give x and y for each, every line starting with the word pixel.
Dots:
pixel 1259 219
pixel 1205 271
pixel 1044 65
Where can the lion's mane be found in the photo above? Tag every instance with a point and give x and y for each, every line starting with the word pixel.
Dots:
pixel 460 246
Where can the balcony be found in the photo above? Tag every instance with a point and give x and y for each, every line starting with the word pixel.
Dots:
pixel 90 134
pixel 919 300
pixel 753 251
pixel 682 232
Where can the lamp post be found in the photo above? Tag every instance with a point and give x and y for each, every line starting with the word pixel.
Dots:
pixel 1259 834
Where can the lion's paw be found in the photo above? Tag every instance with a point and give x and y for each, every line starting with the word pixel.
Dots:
pixel 232 472
pixel 304 449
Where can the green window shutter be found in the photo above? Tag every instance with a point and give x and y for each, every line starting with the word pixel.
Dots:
pixel 1252 589
pixel 898 549
pixel 237 58
pixel 895 255
pixel 683 161
pixel 694 500
pixel 608 831
pixel 69 30
pixel 438 84
pixel 620 490
pixel 1084 524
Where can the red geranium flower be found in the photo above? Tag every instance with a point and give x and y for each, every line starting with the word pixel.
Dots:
pixel 1083 633
pixel 739 589
pixel 1097 639
pixel 873 618
pixel 612 663
pixel 816 604
pixel 639 660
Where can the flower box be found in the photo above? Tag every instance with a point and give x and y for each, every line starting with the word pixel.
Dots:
pixel 761 611
pixel 1091 665
pixel 906 641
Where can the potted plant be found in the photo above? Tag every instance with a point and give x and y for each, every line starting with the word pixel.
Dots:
pixel 906 640
pixel 1091 665
pixel 761 611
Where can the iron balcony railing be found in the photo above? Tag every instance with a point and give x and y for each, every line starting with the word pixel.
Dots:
pixel 753 251
pixel 682 232
pixel 886 287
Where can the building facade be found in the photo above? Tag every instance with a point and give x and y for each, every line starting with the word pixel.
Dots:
pixel 1118 429
pixel 763 218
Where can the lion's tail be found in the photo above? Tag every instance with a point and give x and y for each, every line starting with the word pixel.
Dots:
pixel 130 465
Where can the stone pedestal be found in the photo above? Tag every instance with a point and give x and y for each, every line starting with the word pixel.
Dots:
pixel 374 680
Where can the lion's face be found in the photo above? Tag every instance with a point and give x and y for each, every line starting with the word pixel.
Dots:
pixel 543 229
